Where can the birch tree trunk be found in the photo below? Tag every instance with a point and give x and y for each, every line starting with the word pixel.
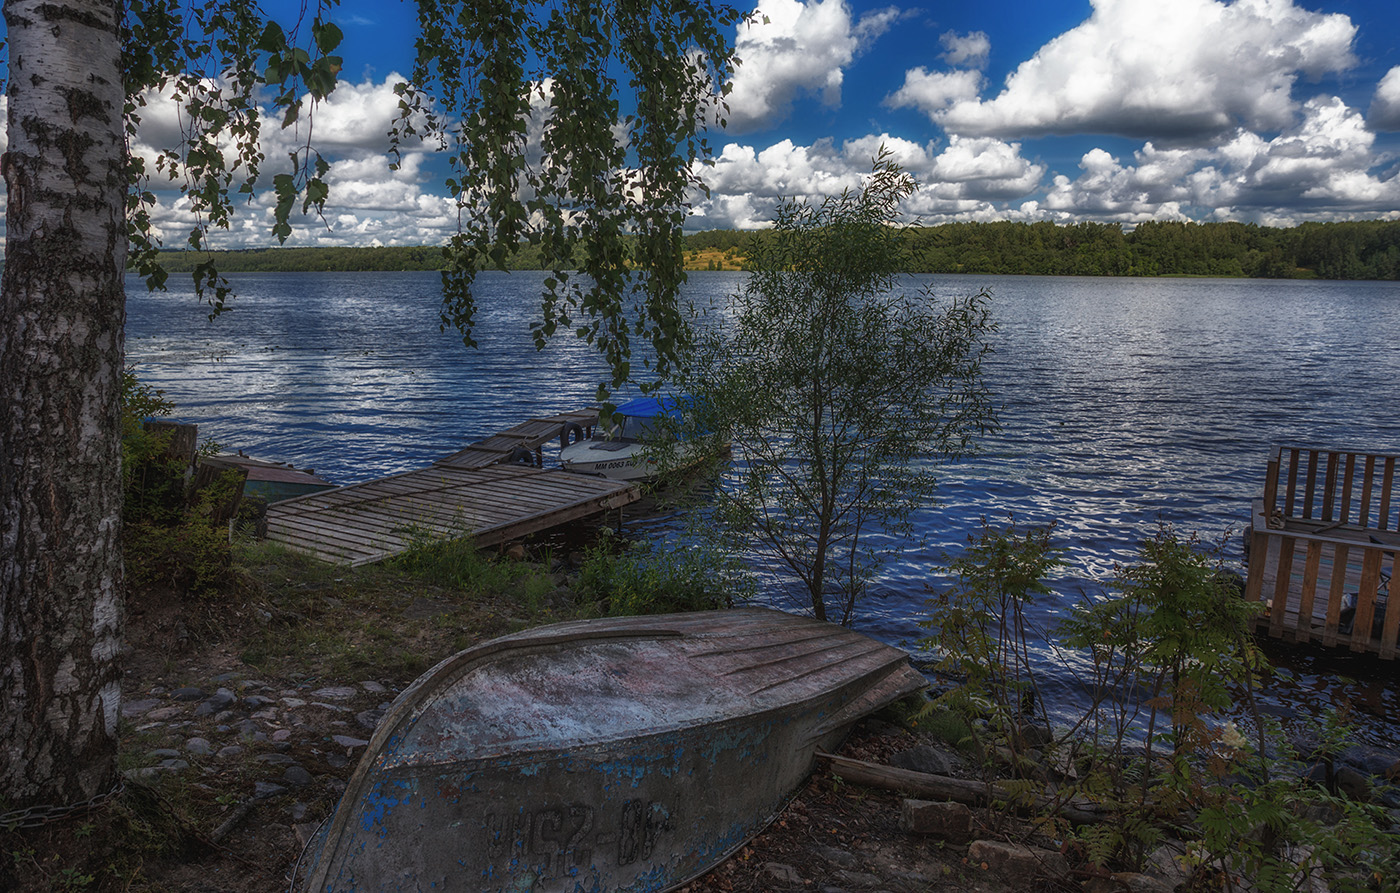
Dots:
pixel 62 311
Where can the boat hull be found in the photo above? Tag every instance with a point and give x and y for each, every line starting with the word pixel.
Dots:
pixel 609 756
pixel 624 464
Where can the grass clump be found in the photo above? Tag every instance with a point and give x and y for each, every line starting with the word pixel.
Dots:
pixel 623 578
pixel 372 622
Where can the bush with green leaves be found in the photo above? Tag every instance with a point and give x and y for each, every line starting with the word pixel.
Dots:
pixel 1181 627
pixel 148 477
pixel 640 577
pixel 454 563
pixel 1172 650
pixel 1262 825
pixel 980 632
pixel 169 535
pixel 840 388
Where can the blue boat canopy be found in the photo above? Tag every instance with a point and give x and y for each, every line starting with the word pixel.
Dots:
pixel 653 407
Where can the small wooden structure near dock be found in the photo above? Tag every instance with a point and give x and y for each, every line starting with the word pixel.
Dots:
pixel 476 492
pixel 1322 545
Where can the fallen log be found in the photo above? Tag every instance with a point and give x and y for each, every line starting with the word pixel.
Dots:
pixel 960 790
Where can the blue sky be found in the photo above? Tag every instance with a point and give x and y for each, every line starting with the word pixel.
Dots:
pixel 1272 111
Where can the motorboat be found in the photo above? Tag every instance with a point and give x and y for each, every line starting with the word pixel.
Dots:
pixel 631 449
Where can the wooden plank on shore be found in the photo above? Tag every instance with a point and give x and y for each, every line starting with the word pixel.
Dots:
pixel 958 790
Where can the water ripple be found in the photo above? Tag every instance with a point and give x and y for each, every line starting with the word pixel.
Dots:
pixel 1125 403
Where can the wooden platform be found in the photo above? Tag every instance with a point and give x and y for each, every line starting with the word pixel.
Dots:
pixel 1322 544
pixel 531 435
pixel 471 493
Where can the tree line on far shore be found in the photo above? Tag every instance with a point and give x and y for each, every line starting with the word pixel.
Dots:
pixel 1349 250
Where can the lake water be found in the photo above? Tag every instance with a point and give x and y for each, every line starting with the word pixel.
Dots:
pixel 1125 402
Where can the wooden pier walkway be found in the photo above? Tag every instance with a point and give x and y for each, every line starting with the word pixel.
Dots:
pixel 475 492
pixel 1322 548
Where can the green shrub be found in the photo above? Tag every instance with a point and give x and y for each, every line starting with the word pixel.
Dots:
pixel 980 633
pixel 455 563
pixel 1174 643
pixel 170 537
pixel 644 578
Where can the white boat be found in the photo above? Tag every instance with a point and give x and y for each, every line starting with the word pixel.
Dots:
pixel 628 451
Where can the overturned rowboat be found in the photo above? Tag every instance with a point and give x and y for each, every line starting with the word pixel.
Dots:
pixel 624 754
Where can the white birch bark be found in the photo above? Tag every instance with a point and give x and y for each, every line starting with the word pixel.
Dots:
pixel 62 311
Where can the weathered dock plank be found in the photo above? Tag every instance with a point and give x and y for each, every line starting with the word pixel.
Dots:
pixel 369 522
pixel 531 435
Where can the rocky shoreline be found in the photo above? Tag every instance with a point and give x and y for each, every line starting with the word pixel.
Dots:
pixel 278 752
pixel 242 725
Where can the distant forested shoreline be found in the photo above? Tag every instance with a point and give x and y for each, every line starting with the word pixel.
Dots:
pixel 1349 250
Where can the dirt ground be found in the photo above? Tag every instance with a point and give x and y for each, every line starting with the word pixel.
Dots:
pixel 244 716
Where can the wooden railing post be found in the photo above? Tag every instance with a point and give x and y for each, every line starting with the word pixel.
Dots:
pixel 1311 485
pixel 1258 552
pixel 1387 478
pixel 1336 593
pixel 1271 485
pixel 1329 487
pixel 1366 600
pixel 1283 578
pixel 1370 477
pixel 1347 478
pixel 1390 629
pixel 1291 494
pixel 1303 632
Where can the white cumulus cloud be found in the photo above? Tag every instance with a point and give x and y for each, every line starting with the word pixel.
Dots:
pixel 795 47
pixel 984 168
pixel 962 181
pixel 932 92
pixel 369 203
pixel 966 50
pixel 1319 169
pixel 1385 106
pixel 1187 68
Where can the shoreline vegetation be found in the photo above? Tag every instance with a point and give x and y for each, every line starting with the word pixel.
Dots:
pixel 254 677
pixel 1346 250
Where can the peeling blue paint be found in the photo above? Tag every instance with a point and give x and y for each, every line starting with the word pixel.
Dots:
pixel 586 769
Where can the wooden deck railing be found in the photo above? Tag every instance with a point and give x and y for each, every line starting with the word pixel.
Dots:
pixel 1322 548
pixel 1333 487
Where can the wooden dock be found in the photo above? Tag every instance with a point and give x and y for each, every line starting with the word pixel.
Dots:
pixel 531 435
pixel 1322 547
pixel 475 493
